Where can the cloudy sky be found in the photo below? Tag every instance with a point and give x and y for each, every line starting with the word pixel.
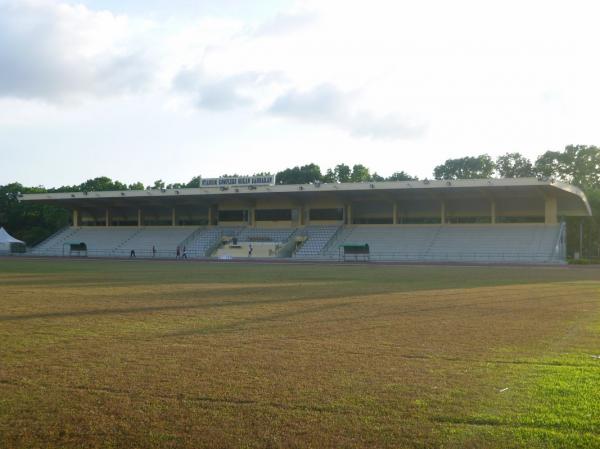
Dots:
pixel 175 88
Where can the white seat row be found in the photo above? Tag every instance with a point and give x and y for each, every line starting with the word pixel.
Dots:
pixel 100 241
pixel 317 237
pixel 266 234
pixel 164 240
pixel 492 243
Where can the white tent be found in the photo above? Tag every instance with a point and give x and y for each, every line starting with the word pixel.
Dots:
pixel 6 240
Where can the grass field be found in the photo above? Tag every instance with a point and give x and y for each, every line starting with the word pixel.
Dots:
pixel 120 354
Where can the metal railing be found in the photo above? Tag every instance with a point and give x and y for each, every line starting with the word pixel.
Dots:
pixel 117 253
pixel 391 256
pixel 464 256
pixel 332 239
pixel 559 250
pixel 190 238
pixel 47 239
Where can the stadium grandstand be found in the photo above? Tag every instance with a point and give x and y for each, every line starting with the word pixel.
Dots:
pixel 487 221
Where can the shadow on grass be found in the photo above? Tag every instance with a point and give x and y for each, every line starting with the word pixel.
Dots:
pixel 238 325
pixel 448 304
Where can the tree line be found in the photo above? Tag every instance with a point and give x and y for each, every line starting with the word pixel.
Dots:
pixel 576 164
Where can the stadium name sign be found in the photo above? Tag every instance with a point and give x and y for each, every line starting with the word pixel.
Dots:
pixel 268 180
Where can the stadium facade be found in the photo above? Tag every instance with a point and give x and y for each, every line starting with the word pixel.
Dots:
pixel 489 220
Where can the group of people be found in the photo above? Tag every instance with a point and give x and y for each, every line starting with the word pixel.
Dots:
pixel 180 253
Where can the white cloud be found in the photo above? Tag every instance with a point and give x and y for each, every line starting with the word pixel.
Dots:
pixel 325 104
pixel 298 82
pixel 216 94
pixel 220 93
pixel 55 51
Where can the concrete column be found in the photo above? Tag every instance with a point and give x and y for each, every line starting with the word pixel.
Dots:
pixel 252 217
pixel 349 214
pixel 551 210
pixel 107 217
pixel 443 212
pixel 493 212
pixel 139 217
pixel 210 215
pixel 395 213
pixel 214 214
pixel 301 218
pixel 75 217
pixel 173 222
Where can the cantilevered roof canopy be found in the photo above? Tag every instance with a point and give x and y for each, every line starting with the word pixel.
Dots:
pixel 571 200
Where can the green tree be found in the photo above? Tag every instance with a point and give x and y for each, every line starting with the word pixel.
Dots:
pixel 194 182
pixel 159 184
pixel 468 167
pixel 300 175
pixel 136 186
pixel 584 165
pixel 360 173
pixel 577 164
pixel 342 173
pixel 549 164
pixel 101 183
pixel 401 176
pixel 31 223
pixel 514 165
pixel 329 176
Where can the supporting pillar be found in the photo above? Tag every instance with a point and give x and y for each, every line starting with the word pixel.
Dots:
pixel 214 214
pixel 493 212
pixel 252 216
pixel 139 217
pixel 581 238
pixel 210 215
pixel 349 214
pixel 107 217
pixel 443 212
pixel 301 217
pixel 550 210
pixel 75 217
pixel 395 213
pixel 173 222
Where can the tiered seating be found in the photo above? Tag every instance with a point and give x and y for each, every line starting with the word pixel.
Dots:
pixel 479 243
pixel 484 243
pixel 317 237
pixel 53 245
pixel 164 239
pixel 388 242
pixel 265 234
pixel 100 241
pixel 533 243
pixel 204 240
